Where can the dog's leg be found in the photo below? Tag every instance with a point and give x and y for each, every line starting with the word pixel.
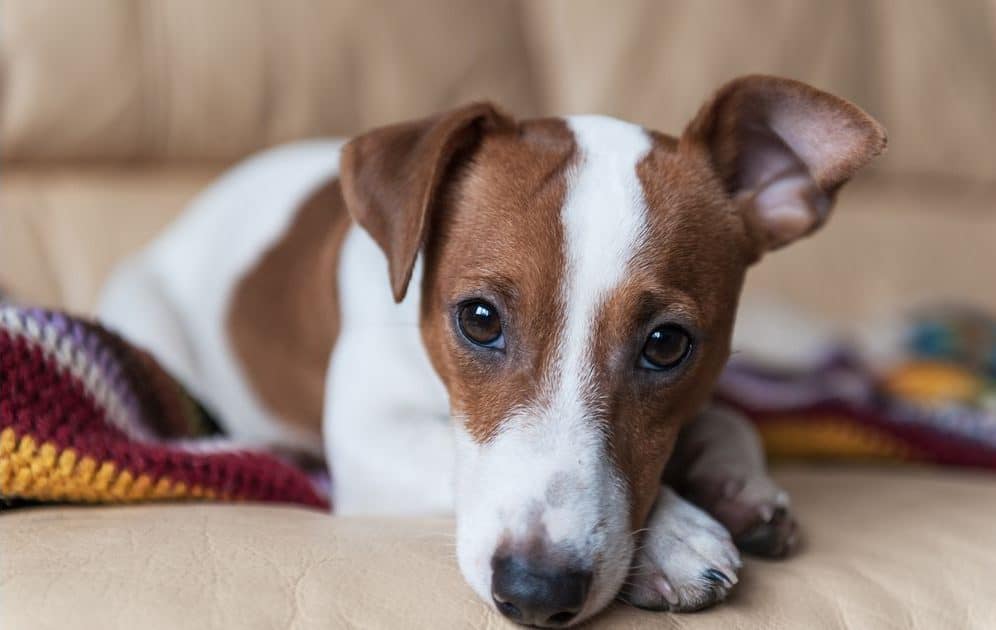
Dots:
pixel 685 560
pixel 718 464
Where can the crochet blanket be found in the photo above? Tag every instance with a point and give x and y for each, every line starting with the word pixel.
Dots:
pixel 86 417
pixel 934 402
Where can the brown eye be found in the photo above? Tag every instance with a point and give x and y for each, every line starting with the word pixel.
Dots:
pixel 479 322
pixel 665 348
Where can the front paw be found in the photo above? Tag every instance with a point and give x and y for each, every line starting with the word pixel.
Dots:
pixel 686 560
pixel 755 509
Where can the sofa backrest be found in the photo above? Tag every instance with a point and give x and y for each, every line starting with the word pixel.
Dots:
pixel 187 79
pixel 123 79
pixel 926 69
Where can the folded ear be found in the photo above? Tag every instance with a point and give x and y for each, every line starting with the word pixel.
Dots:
pixel 783 149
pixel 391 178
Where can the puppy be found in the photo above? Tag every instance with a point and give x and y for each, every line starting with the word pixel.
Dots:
pixel 559 302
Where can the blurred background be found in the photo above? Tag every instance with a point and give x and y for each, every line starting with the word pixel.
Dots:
pixel 113 113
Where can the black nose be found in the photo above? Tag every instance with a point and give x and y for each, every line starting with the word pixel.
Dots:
pixel 535 593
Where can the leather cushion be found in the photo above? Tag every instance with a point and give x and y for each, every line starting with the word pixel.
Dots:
pixel 902 548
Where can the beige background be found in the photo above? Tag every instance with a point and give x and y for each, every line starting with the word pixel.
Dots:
pixel 185 79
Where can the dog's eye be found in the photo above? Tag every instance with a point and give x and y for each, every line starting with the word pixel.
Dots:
pixel 665 348
pixel 479 322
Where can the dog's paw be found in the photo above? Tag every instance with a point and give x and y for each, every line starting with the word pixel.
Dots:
pixel 756 511
pixel 774 533
pixel 685 560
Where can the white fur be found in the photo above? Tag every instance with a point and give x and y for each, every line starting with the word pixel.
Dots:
pixel 680 545
pixel 388 436
pixel 173 297
pixel 561 448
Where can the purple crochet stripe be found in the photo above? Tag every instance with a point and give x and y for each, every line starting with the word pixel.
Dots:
pixel 101 360
pixel 100 356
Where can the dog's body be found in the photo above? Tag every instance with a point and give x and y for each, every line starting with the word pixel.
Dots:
pixel 508 385
pixel 188 298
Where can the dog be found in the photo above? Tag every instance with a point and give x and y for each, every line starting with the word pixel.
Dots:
pixel 559 300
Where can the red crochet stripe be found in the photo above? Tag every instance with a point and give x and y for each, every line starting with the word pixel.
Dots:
pixel 39 399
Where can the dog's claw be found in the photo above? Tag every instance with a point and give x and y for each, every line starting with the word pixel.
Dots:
pixel 666 590
pixel 767 512
pixel 718 577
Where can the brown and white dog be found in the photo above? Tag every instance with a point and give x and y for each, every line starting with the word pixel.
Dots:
pixel 560 302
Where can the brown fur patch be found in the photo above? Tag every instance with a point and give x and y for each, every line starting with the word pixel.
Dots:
pixel 284 315
pixel 505 196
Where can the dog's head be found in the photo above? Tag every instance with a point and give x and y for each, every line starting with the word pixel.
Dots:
pixel 581 277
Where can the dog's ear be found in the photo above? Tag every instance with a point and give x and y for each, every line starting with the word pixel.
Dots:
pixel 783 149
pixel 391 178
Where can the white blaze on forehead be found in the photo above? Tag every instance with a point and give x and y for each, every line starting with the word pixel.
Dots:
pixel 604 218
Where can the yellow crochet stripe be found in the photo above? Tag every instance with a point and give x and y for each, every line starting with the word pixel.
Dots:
pixel 831 437
pixel 43 473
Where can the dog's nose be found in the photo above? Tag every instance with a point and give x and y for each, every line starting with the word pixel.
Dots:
pixel 537 594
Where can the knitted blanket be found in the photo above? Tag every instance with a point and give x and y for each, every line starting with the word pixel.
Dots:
pixel 86 417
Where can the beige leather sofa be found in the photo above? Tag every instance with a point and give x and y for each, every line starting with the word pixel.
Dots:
pixel 115 112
